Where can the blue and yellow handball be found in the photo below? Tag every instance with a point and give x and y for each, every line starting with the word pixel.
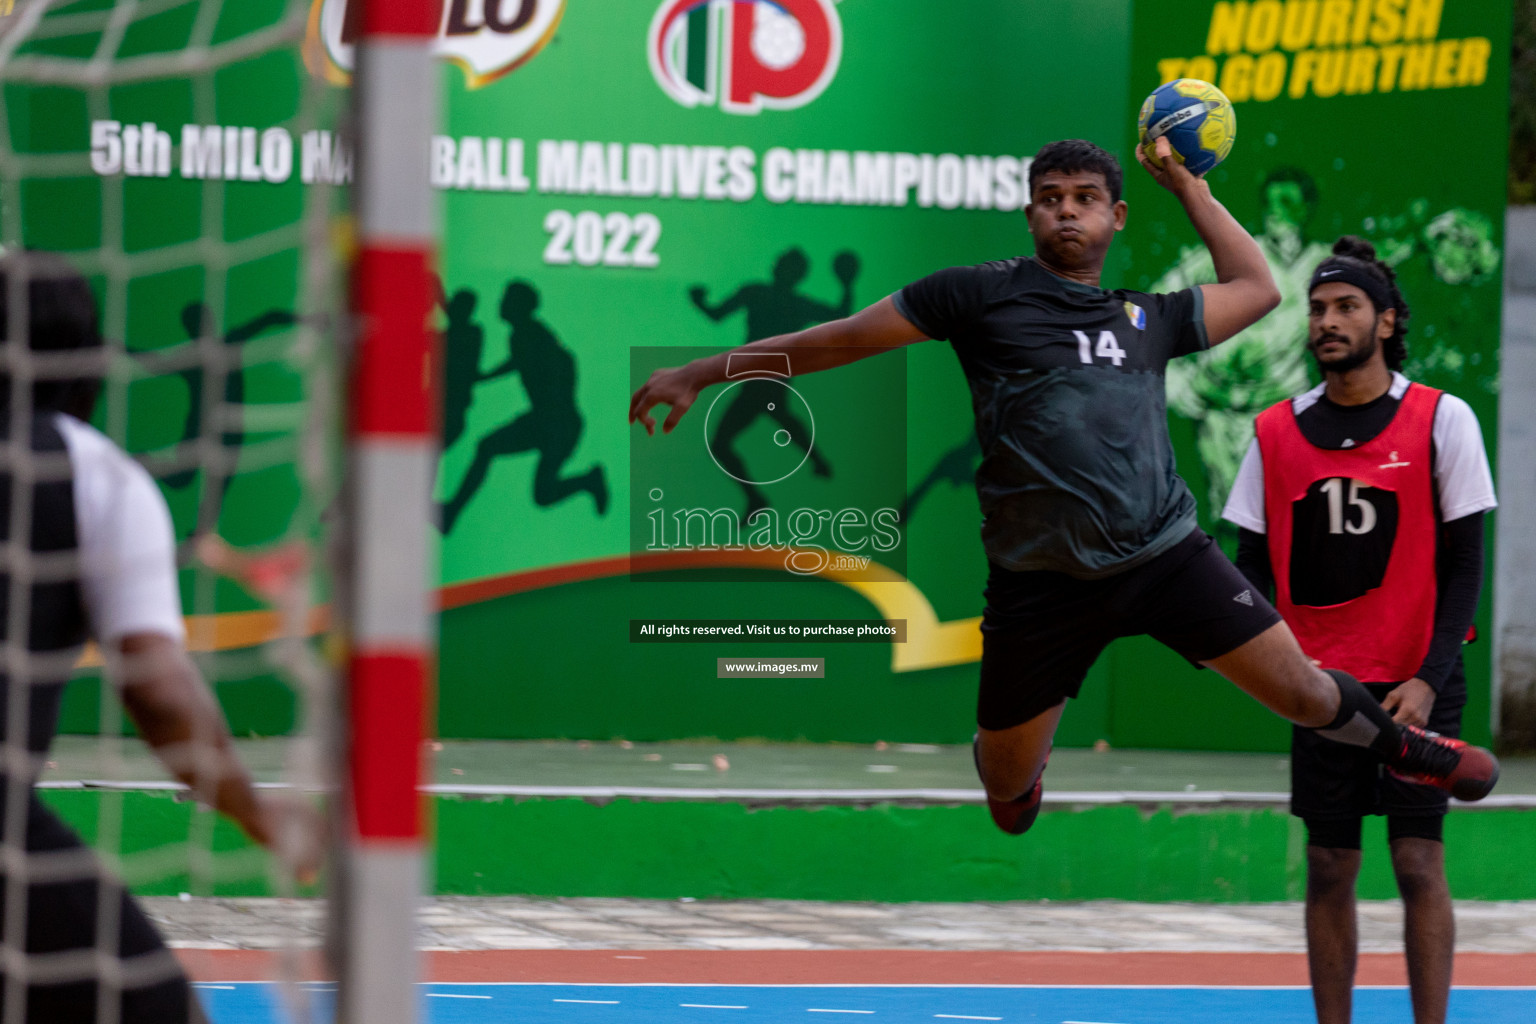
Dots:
pixel 1197 119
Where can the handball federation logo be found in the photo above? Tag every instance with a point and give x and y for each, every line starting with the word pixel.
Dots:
pixel 485 38
pixel 745 55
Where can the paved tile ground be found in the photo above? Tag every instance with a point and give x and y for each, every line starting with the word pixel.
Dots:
pixel 463 923
pixel 528 923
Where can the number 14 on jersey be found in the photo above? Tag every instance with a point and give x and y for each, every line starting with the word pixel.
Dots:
pixel 1107 348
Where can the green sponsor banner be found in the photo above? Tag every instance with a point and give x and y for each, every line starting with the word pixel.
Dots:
pixel 624 185
pixel 1326 96
pixel 1332 100
pixel 664 180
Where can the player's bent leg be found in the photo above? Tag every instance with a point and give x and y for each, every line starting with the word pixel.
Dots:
pixel 1462 770
pixel 1273 670
pixel 1429 923
pixel 1011 763
pixel 1198 604
pixel 1040 634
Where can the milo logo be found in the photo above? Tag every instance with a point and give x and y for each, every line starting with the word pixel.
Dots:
pixel 485 38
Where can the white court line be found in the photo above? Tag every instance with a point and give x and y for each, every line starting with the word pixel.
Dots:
pixel 963 1016
pixel 600 1002
pixel 452 995
pixel 1496 801
pixel 1001 987
pixel 1086 1022
pixel 812 1009
pixel 710 1006
pixel 198 984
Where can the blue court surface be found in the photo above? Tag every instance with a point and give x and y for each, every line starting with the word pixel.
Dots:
pixel 258 1003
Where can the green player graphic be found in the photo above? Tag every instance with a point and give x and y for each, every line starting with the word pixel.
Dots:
pixel 956 467
pixel 772 308
pixel 226 369
pixel 1224 389
pixel 463 345
pixel 551 426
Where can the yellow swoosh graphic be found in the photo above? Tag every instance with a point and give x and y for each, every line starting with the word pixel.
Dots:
pixel 930 643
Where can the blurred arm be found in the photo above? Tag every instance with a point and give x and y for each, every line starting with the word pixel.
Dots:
pixel 178 717
pixel 868 332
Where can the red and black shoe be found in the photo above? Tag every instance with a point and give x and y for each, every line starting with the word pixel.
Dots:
pixel 1017 815
pixel 1462 770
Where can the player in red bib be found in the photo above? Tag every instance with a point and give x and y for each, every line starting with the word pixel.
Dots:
pixel 1361 504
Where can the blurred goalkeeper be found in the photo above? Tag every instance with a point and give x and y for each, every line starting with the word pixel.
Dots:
pixel 90 555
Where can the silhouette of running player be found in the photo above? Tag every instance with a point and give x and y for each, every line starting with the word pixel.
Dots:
pixel 956 467
pixel 551 427
pixel 463 346
pixel 773 308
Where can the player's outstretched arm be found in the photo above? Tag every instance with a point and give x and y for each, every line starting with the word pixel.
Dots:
pixel 179 718
pixel 1245 290
pixel 868 332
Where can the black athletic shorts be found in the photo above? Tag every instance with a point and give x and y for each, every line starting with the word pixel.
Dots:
pixel 61 917
pixel 1335 783
pixel 1042 631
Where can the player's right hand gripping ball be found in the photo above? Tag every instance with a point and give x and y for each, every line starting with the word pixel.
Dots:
pixel 1197 118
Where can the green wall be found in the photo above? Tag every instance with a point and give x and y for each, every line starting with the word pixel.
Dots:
pixel 891 853
pixel 544 380
pixel 158 247
pixel 1367 173
pixel 560 665
pixel 883 852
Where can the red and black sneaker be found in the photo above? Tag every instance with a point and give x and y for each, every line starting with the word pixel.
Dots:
pixel 1462 770
pixel 1017 815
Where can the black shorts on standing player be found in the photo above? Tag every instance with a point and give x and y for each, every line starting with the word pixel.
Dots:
pixel 1334 787
pixel 1041 631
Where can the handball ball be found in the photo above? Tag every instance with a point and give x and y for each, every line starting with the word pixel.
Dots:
pixel 1196 117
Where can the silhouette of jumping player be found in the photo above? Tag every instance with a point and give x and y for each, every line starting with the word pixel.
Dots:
pixel 197 320
pixel 463 346
pixel 773 308
pixel 956 467
pixel 551 427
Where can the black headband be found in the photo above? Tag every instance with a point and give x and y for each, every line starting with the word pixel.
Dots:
pixel 1331 271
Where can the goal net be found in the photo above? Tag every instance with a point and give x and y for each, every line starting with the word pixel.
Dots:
pixel 180 157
